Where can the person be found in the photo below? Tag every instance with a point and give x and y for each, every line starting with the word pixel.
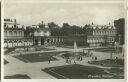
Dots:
pixel 116 58
pixel 69 60
pixel 66 60
pixel 74 61
pixel 49 60
pixel 81 58
pixel 95 58
pixel 92 57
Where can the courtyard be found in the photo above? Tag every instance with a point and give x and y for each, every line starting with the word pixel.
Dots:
pixel 35 65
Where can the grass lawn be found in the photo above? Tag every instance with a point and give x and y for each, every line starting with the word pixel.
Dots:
pixel 109 62
pixel 38 57
pixel 17 76
pixel 5 61
pixel 77 71
pixel 119 71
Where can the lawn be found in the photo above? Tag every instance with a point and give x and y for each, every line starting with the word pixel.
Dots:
pixel 17 76
pixel 38 57
pixel 109 62
pixel 77 71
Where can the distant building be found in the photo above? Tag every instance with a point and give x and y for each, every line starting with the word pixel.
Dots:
pixel 14 34
pixel 102 35
pixel 41 34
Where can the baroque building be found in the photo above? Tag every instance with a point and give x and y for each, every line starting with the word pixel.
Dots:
pixel 16 35
pixel 102 35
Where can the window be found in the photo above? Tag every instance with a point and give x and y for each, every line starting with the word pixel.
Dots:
pixel 10 33
pixel 15 33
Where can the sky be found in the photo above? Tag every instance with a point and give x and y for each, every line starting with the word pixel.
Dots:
pixel 72 13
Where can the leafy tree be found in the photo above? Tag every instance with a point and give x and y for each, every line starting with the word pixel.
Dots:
pixel 54 28
pixel 119 24
pixel 66 29
pixel 29 32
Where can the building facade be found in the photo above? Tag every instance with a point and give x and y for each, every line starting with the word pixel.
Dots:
pixel 101 35
pixel 16 35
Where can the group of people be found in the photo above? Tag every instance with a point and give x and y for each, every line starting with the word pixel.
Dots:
pixel 70 60
pixel 94 58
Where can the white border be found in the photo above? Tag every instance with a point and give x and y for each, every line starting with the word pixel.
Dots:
pixel 56 80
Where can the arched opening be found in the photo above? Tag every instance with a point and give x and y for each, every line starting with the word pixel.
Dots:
pixel 36 41
pixel 10 33
pixel 5 44
pixel 15 43
pixel 10 44
pixel 20 43
pixel 25 43
pixel 42 41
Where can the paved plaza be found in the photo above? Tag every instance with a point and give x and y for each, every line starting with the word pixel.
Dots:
pixel 33 70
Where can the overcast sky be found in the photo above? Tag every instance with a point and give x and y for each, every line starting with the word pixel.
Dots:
pixel 72 13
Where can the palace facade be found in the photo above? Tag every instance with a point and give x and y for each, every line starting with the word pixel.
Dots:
pixel 102 35
pixel 15 36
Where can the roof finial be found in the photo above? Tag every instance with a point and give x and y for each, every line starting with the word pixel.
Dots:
pixel 109 23
pixel 92 23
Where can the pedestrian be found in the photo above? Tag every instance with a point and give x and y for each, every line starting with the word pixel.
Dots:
pixel 81 58
pixel 74 61
pixel 116 58
pixel 49 60
pixel 95 58
pixel 70 61
pixel 66 60
pixel 92 57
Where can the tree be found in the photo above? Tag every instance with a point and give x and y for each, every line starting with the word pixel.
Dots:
pixel 29 32
pixel 66 29
pixel 52 25
pixel 119 24
pixel 54 28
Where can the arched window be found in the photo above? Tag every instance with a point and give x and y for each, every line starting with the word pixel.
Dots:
pixel 15 33
pixel 15 43
pixel 10 33
pixel 20 43
pixel 10 44
pixel 5 33
pixel 20 33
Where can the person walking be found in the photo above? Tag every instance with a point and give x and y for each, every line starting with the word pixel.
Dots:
pixel 49 60
pixel 81 58
pixel 92 57
pixel 95 58
pixel 69 60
